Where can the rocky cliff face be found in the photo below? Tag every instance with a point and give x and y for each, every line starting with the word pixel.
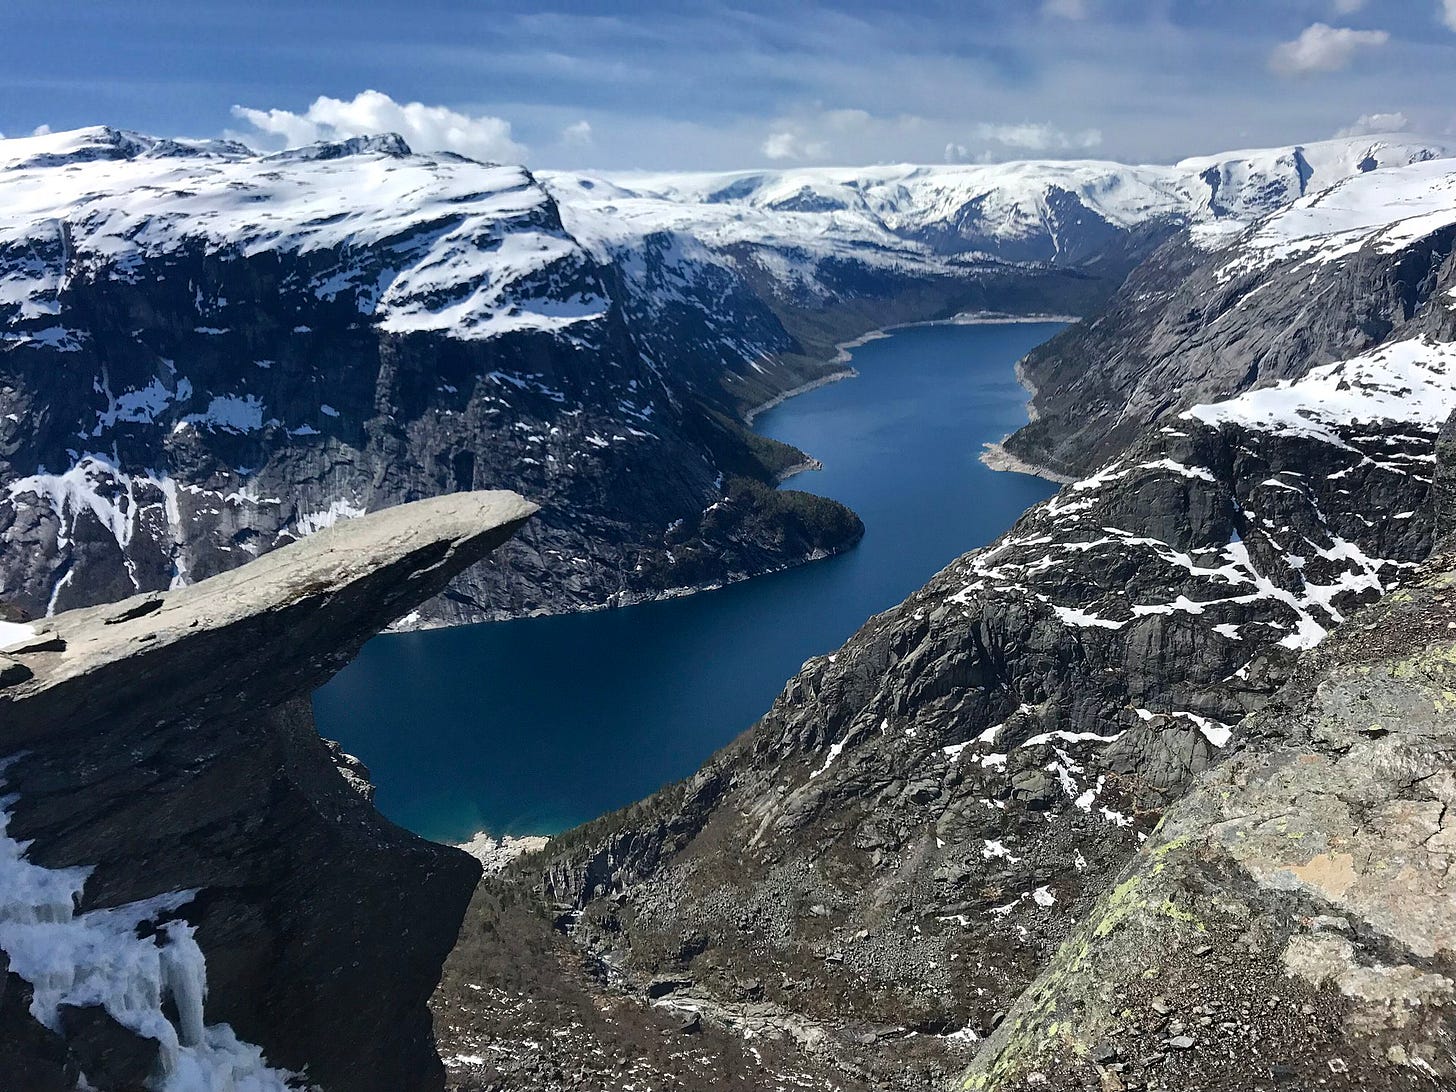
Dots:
pixel 870 878
pixel 193 894
pixel 1211 315
pixel 1289 923
pixel 880 867
pixel 206 353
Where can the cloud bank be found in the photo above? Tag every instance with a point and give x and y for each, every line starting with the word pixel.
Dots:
pixel 424 128
pixel 1323 48
pixel 1372 124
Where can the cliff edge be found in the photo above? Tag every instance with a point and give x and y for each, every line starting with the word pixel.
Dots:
pixel 192 893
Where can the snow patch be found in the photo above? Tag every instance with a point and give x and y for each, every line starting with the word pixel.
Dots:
pixel 1408 382
pixel 15 633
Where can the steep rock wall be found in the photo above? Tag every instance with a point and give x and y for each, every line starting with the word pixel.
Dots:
pixel 161 759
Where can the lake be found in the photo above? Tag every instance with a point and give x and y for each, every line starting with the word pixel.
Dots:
pixel 536 725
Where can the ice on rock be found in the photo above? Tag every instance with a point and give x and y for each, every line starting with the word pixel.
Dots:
pixel 310 523
pixel 230 413
pixel 95 483
pixel 834 752
pixel 98 958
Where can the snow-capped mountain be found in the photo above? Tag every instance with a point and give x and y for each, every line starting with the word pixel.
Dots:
pixel 1054 211
pixel 1386 214
pixel 206 352
pixel 1338 273
pixel 439 244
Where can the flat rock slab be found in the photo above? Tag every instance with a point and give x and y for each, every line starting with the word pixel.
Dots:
pixel 167 743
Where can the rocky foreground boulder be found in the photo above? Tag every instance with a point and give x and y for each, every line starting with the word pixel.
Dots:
pixel 1292 923
pixel 192 889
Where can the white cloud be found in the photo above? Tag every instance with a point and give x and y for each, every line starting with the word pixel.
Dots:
pixel 1039 137
pixel 39 130
pixel 785 144
pixel 1448 13
pixel 424 128
pixel 577 135
pixel 846 121
pixel 959 153
pixel 1064 9
pixel 1323 48
pixel 1370 124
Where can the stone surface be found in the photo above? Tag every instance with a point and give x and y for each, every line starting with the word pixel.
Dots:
pixel 1301 894
pixel 167 742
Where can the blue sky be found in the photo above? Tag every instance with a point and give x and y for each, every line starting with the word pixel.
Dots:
pixel 722 85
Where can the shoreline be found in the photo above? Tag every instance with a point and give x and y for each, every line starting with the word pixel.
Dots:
pixel 799 468
pixel 1030 388
pixel 989 318
pixel 995 457
pixel 844 352
pixel 494 854
pixel 802 388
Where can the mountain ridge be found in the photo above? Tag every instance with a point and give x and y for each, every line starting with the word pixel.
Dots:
pixel 291 339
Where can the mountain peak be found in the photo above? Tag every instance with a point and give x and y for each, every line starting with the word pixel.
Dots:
pixel 390 144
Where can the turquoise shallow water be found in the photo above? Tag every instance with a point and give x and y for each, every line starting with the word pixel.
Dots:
pixel 532 726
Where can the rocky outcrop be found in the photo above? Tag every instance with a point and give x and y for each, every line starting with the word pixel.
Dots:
pixel 164 772
pixel 1290 922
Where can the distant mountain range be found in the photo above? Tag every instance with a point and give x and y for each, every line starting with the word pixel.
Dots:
pixel 205 352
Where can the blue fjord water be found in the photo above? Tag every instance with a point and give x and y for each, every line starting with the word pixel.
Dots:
pixel 533 726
